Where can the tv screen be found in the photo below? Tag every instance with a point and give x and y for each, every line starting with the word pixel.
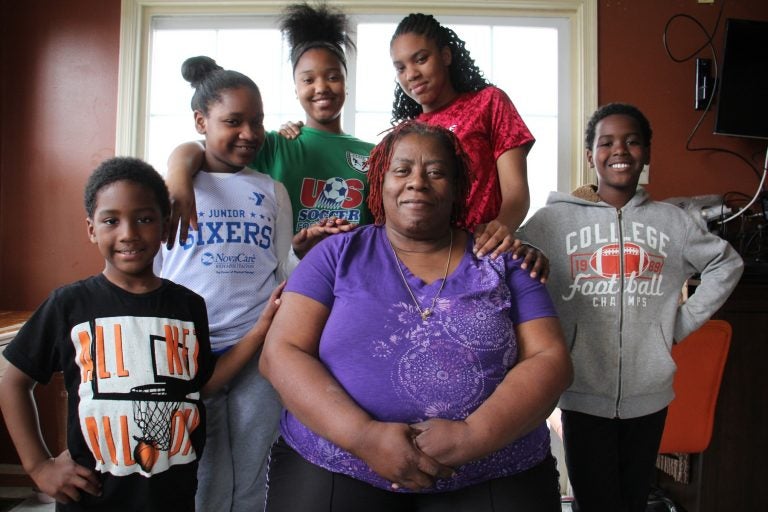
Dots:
pixel 742 105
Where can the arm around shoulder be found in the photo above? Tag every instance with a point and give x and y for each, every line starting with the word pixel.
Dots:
pixel 497 236
pixel 183 163
pixel 512 168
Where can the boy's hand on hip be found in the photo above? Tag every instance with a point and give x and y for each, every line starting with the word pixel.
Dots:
pixel 63 479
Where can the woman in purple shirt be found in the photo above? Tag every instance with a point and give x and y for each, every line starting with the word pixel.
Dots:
pixel 415 375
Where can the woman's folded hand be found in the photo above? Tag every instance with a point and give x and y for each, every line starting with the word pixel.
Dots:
pixel 446 441
pixel 389 450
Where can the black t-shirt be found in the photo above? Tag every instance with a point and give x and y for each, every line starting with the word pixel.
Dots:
pixel 133 367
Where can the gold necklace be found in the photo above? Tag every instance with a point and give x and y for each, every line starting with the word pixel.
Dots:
pixel 426 312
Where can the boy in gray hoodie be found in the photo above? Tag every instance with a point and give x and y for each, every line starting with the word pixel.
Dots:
pixel 618 262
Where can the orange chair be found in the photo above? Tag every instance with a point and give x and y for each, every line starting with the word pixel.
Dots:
pixel 700 360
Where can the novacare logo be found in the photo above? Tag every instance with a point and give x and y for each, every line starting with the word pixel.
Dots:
pixel 210 259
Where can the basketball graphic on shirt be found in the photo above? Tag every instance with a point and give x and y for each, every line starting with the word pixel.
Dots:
pixel 136 397
pixel 146 454
pixel 606 261
pixel 334 192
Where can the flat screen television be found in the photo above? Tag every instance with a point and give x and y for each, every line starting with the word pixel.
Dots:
pixel 742 103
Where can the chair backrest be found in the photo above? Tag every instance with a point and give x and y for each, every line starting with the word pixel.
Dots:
pixel 700 360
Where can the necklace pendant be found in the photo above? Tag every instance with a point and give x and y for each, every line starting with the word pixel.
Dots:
pixel 427 312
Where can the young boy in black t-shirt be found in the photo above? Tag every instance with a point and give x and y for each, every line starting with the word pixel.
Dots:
pixel 136 358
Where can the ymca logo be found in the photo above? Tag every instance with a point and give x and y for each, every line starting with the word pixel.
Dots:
pixel 257 198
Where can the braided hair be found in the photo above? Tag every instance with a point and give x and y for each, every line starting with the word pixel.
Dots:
pixel 381 158
pixel 209 79
pixel 305 27
pixel 464 74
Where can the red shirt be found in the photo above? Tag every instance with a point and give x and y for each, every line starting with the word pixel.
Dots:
pixel 487 124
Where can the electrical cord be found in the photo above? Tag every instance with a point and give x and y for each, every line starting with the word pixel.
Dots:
pixel 757 194
pixel 707 44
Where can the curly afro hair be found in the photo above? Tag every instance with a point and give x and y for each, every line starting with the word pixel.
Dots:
pixel 126 169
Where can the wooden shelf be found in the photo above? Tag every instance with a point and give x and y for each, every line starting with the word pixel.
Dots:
pixel 10 323
pixel 13 475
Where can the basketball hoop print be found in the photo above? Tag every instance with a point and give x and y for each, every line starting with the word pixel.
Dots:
pixel 152 412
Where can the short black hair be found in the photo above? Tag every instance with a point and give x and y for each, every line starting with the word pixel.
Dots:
pixel 611 109
pixel 126 169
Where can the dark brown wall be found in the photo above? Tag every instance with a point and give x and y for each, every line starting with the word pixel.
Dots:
pixel 59 66
pixel 59 91
pixel 634 67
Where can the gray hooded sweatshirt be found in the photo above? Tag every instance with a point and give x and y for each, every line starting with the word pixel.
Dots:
pixel 616 278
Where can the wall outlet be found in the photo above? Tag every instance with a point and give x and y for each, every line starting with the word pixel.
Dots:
pixel 645 175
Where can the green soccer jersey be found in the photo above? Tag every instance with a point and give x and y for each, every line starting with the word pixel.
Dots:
pixel 324 173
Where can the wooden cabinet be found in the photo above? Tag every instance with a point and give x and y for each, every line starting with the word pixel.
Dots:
pixel 732 474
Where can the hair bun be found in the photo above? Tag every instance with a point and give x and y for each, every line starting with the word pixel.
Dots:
pixel 195 69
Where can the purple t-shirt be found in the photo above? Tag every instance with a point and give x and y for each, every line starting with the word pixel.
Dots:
pixel 402 369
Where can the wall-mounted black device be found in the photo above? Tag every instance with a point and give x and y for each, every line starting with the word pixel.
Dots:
pixel 742 101
pixel 704 84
